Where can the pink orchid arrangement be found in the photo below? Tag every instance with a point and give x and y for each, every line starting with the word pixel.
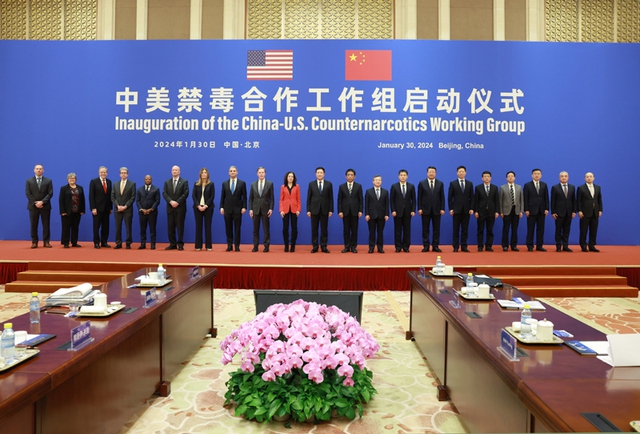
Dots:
pixel 287 342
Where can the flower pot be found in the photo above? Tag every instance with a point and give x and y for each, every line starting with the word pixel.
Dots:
pixel 282 418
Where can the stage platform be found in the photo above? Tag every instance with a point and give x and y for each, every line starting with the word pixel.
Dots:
pixel 321 271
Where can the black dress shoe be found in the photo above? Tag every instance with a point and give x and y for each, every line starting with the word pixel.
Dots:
pixel 344 250
pixel 47 245
pixel 237 248
pixel 105 245
pixel 292 249
pixel 128 246
pixel 455 249
pixel 480 249
pixel 406 250
pixel 76 245
pixel 489 249
pixel 426 249
pixel 142 247
pixel 437 249
pixel 314 250
pixel 118 246
pixel 566 249
pixel 66 246
pixel 541 249
pixel 464 249
pixel 380 250
pixel 370 249
pixel 584 249
pixel 266 249
pixel 255 249
pixel 515 249
pixel 325 250
pixel 529 249
pixel 558 249
pixel 96 246
pixel 153 246
pixel 229 248
pixel 354 250
pixel 34 245
pixel 398 250
pixel 170 247
pixel 505 249
pixel 591 249
pixel 180 247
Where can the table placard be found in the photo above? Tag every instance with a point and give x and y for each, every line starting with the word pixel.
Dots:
pixel 194 273
pixel 150 298
pixel 422 271
pixel 455 300
pixel 508 346
pixel 80 336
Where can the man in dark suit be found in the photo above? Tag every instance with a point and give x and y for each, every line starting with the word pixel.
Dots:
pixel 100 204
pixel 39 191
pixel 233 203
pixel 589 203
pixel 486 203
pixel 536 207
pixel 261 201
pixel 511 207
pixel 402 199
pixel 319 208
pixel 148 201
pixel 350 210
pixel 175 192
pixel 123 195
pixel 431 207
pixel 376 210
pixel 563 210
pixel 460 198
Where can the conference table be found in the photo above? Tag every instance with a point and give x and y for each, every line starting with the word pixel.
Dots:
pixel 546 390
pixel 135 353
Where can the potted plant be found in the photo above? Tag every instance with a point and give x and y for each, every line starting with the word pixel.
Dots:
pixel 300 359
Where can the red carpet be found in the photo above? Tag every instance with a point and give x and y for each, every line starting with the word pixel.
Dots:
pixel 318 271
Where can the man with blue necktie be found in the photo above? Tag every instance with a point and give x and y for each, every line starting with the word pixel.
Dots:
pixel 148 200
pixel 233 203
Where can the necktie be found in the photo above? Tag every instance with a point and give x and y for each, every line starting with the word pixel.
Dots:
pixel 486 187
pixel 39 183
pixel 431 186
pixel 462 184
pixel 104 185
pixel 349 189
pixel 147 189
pixel 513 196
pixel 122 187
pixel 591 189
pixel 564 188
pixel 403 190
pixel 378 193
pixel 537 188
pixel 320 187
pixel 260 188
pixel 175 184
pixel 233 186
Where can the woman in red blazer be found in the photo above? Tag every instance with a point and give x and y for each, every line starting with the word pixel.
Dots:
pixel 290 208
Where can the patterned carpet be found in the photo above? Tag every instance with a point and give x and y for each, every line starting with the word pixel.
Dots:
pixel 406 400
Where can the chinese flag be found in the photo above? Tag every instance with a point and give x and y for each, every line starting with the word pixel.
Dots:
pixel 367 65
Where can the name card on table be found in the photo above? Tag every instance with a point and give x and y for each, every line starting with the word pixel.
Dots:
pixel 194 272
pixel 508 346
pixel 422 271
pixel 80 336
pixel 150 298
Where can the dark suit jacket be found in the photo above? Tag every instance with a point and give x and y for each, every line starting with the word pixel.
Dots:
pixel 587 205
pixel 485 205
pixel 461 202
pixel 35 194
pixel 320 203
pixel 376 208
pixel 563 206
pixel 535 202
pixel 64 201
pixel 350 205
pixel 150 200
pixel 431 203
pixel 290 201
pixel 127 198
pixel 98 199
pixel 233 203
pixel 209 195
pixel 261 204
pixel 402 206
pixel 180 195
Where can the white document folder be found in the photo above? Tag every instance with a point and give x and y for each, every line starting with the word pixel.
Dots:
pixel 624 350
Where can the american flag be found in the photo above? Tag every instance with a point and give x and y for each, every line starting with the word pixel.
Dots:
pixel 270 65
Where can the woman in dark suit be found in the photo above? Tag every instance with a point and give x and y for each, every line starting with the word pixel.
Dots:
pixel 290 208
pixel 72 206
pixel 203 194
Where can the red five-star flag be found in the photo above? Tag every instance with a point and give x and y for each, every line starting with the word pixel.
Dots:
pixel 367 65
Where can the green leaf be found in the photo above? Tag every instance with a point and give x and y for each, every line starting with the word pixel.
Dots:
pixel 260 410
pixel 366 395
pixel 274 407
pixel 240 410
pixel 341 402
pixel 351 413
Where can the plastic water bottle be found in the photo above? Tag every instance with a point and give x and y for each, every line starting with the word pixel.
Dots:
pixel 525 325
pixel 470 281
pixel 8 343
pixel 34 309
pixel 439 265
pixel 161 276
